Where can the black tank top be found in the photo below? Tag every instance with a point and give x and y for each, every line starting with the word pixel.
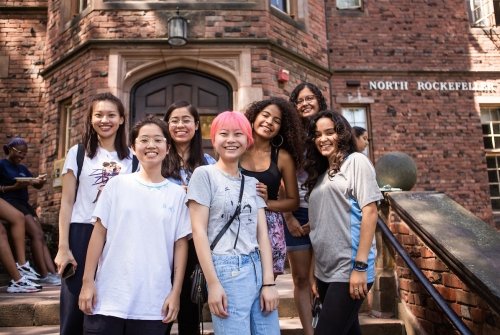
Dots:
pixel 271 177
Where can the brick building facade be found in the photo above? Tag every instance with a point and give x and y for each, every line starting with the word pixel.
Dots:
pixel 418 74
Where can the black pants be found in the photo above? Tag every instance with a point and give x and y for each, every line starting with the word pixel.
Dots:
pixel 70 314
pixel 110 325
pixel 340 312
pixel 188 319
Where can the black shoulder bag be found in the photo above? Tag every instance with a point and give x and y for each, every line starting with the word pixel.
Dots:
pixel 199 293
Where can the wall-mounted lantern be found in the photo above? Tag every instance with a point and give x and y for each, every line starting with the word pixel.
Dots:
pixel 177 30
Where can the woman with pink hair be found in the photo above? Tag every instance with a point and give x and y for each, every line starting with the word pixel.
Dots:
pixel 237 263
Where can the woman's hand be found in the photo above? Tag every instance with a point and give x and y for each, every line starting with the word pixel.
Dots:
pixel 294 226
pixel 217 300
pixel 87 298
pixel 269 298
pixel 39 181
pixel 262 191
pixel 64 257
pixel 171 307
pixel 358 288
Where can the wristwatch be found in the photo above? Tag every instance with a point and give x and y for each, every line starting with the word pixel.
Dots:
pixel 360 266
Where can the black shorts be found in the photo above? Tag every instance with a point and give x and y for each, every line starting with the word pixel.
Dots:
pixel 22 206
pixel 298 243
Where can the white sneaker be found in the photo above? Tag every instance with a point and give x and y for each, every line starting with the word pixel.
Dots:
pixel 51 279
pixel 23 285
pixel 27 271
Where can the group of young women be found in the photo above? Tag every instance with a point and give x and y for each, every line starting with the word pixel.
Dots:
pixel 126 236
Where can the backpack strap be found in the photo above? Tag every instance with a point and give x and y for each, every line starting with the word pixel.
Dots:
pixel 80 156
pixel 135 163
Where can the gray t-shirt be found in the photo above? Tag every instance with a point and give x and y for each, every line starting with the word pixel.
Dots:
pixel 218 191
pixel 335 217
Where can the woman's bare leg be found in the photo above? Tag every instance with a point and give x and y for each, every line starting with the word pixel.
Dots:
pixel 35 231
pixel 6 256
pixel 17 229
pixel 300 262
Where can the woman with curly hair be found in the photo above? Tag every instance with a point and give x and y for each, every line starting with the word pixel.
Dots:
pixel 275 156
pixel 342 192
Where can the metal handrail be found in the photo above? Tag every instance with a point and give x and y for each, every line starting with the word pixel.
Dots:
pixel 450 314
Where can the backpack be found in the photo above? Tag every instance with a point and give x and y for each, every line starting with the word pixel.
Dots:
pixel 80 155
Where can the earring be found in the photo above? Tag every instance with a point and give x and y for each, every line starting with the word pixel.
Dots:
pixel 277 145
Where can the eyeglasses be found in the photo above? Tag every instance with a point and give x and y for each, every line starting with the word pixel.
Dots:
pixel 307 99
pixel 145 140
pixel 19 151
pixel 178 122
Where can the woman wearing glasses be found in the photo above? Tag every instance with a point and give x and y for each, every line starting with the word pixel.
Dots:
pixel 139 240
pixel 308 100
pixel 15 178
pixel 185 155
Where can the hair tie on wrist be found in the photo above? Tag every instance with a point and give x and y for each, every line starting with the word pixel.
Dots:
pixel 264 285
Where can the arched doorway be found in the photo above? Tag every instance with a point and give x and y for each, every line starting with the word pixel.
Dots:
pixel 208 94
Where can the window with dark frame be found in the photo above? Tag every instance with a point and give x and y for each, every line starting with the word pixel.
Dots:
pixel 66 117
pixel 490 122
pixel 349 4
pixel 280 4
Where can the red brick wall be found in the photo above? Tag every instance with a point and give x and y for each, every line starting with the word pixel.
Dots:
pixel 473 310
pixel 222 24
pixel 22 91
pixel 420 41
pixel 78 81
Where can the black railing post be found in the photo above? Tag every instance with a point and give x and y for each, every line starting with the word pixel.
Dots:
pixel 450 314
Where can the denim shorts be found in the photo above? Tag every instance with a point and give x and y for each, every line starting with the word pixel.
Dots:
pixel 298 243
pixel 241 278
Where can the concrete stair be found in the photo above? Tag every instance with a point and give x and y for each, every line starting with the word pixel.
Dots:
pixel 38 314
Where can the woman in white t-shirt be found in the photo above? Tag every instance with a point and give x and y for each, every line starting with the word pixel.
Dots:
pixel 139 240
pixel 106 155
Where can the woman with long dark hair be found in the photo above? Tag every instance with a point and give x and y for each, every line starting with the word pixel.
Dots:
pixel 106 155
pixel 185 155
pixel 342 193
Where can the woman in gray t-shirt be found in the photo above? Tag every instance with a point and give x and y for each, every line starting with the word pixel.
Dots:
pixel 342 193
pixel 242 296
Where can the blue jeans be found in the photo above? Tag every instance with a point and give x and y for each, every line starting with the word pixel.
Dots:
pixel 241 278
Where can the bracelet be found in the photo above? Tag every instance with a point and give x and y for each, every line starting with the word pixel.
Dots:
pixel 265 285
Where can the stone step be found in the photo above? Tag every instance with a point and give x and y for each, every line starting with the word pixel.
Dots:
pixel 38 313
pixel 289 326
pixel 42 308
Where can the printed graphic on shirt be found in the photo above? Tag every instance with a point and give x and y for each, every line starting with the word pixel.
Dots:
pixel 102 176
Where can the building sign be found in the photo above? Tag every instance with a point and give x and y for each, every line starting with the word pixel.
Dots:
pixel 481 86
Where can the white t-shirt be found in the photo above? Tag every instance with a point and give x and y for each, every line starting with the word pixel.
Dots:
pixel 143 221
pixel 95 174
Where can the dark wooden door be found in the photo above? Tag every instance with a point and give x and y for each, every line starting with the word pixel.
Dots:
pixel 208 94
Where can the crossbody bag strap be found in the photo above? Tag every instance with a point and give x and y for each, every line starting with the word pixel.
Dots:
pixel 80 156
pixel 236 213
